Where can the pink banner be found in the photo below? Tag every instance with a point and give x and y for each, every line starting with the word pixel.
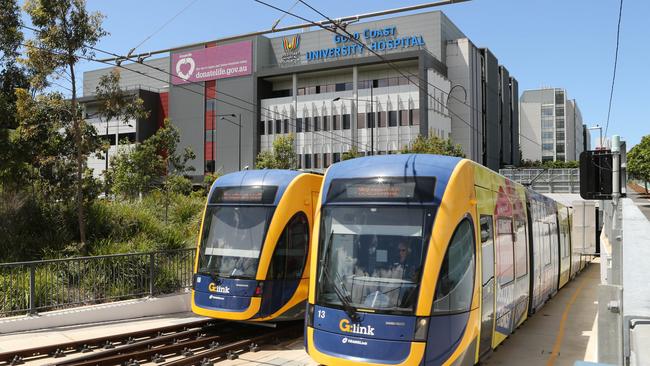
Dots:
pixel 218 62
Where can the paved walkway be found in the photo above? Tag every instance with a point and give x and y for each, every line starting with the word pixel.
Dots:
pixel 562 332
pixel 640 198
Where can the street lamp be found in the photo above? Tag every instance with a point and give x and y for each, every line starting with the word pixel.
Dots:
pixel 372 113
pixel 600 140
pixel 223 118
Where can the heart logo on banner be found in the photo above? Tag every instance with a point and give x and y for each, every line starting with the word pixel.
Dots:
pixel 179 68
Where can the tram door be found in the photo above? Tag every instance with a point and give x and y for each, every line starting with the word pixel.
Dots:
pixel 287 264
pixel 485 208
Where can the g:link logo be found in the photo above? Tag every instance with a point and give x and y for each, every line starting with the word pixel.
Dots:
pixel 218 289
pixel 345 326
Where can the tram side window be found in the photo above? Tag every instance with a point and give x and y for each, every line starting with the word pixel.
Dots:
pixel 505 255
pixel 456 278
pixel 521 262
pixel 487 248
pixel 546 234
pixel 290 252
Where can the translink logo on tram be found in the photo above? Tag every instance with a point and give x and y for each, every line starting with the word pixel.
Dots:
pixel 345 326
pixel 218 289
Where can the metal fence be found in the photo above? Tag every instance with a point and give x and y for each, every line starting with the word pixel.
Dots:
pixel 29 287
pixel 546 180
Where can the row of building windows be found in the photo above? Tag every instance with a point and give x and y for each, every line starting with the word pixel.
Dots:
pixel 410 117
pixel 128 137
pixel 340 87
pixel 324 160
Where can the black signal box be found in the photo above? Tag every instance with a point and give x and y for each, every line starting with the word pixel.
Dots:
pixel 596 175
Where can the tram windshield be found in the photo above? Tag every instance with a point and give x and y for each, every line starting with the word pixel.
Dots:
pixel 372 256
pixel 232 240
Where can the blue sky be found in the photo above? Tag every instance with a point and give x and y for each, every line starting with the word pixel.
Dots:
pixel 557 43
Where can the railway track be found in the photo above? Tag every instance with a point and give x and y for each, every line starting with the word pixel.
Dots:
pixel 199 343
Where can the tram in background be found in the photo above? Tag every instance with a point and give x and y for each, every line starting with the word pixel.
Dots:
pixel 428 260
pixel 253 249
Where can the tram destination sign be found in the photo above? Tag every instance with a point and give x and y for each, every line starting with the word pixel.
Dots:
pixel 396 189
pixel 244 194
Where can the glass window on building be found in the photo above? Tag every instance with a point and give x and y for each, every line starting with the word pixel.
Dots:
pixel 339 87
pixel 404 118
pixel 316 161
pixel 326 123
pixel 560 135
pixel 414 115
pixel 559 97
pixel 307 124
pixel 346 121
pixel 316 124
pixel 546 158
pixel 331 88
pixel 336 124
pixel 559 111
pixel 370 120
pixel 561 157
pixel 393 81
pixel 278 126
pixel 361 120
pixel 547 148
pixel 310 90
pixel 382 83
pixel 560 147
pixel 269 127
pixel 403 80
pixel 307 161
pixel 286 125
pixel 392 118
pixel 547 135
pixel 260 128
pixel 547 111
pixel 298 125
pixel 382 119
pixel 336 157
pixel 301 91
pixel 559 123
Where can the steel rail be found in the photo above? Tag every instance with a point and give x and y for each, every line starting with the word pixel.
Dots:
pixel 19 356
pixel 203 358
pixel 174 338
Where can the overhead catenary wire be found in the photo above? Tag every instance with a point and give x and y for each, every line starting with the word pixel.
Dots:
pixel 192 2
pixel 351 37
pixel 396 68
pixel 349 141
pixel 618 38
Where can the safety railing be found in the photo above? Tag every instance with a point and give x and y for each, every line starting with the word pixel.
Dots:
pixel 30 287
pixel 546 180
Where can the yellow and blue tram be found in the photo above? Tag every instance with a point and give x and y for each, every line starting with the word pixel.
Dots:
pixel 428 260
pixel 252 260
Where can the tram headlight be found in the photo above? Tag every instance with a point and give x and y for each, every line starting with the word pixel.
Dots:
pixel 310 315
pixel 421 329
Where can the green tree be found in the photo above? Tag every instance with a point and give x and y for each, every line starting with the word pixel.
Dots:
pixel 12 76
pixel 351 154
pixel 65 31
pixel 138 169
pixel 638 161
pixel 433 145
pixel 283 155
